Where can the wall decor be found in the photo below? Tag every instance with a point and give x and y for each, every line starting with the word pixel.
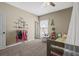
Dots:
pixel 52 23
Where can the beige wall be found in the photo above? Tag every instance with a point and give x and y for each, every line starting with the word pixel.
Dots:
pixel 61 20
pixel 12 14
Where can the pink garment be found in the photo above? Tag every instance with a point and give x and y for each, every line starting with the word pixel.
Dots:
pixel 24 36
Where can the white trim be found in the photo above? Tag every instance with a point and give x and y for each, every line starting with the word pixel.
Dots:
pixel 13 44
pixel 17 43
pixel 2 48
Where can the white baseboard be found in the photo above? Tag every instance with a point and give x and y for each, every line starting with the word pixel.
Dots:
pixel 16 44
pixel 2 48
pixel 13 44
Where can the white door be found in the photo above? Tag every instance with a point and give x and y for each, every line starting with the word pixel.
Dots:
pixel 2 31
pixel 37 30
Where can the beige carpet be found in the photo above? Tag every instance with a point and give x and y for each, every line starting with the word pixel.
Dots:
pixel 31 48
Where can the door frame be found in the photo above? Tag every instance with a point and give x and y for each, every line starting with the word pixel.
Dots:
pixel 4 30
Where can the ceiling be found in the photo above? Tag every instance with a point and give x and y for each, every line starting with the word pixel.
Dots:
pixel 38 8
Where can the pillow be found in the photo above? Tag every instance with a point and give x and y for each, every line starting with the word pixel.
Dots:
pixel 64 35
pixel 59 35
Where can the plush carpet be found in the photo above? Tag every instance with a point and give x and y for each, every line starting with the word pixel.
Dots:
pixel 31 48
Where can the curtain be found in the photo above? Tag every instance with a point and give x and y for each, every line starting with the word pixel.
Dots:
pixel 73 32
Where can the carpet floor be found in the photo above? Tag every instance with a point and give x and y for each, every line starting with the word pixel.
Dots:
pixel 31 48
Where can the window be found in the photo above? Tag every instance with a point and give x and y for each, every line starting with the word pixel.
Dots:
pixel 43 28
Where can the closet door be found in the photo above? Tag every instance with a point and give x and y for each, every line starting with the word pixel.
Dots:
pixel 2 31
pixel 37 34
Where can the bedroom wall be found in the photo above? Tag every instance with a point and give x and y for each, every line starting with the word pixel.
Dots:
pixel 61 20
pixel 12 15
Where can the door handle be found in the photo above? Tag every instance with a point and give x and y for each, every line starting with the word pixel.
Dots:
pixel 3 32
